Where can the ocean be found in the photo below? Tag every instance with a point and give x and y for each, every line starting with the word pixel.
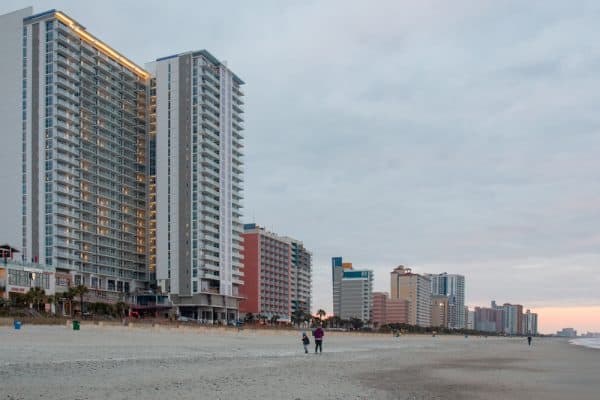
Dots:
pixel 593 343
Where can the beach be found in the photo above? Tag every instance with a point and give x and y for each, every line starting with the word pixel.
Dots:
pixel 109 363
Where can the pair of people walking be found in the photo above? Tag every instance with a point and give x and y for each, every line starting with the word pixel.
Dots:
pixel 318 334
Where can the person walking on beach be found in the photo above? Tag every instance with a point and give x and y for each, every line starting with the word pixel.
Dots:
pixel 318 334
pixel 305 342
pixel 529 339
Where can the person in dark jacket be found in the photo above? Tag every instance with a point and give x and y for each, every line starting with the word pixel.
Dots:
pixel 318 334
pixel 305 342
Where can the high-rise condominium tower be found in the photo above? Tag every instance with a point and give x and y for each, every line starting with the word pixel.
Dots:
pixel 11 129
pixel 84 155
pixel 416 290
pixel 301 277
pixel 352 291
pixel 128 175
pixel 453 287
pixel 196 128
pixel 530 323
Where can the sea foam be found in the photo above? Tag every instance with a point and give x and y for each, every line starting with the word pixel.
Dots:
pixel 593 343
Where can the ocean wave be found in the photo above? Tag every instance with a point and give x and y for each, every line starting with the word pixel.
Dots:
pixel 593 343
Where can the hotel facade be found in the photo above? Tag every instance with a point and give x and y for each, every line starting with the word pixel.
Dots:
pixel 277 274
pixel 352 291
pixel 84 155
pixel 416 290
pixel 196 174
pixel 131 177
pixel 451 286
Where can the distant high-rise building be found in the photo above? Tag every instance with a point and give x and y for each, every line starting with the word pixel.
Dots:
pixel 489 319
pixel 416 289
pixel 512 315
pixel 301 277
pixel 453 287
pixel 397 311
pixel 379 312
pixel 196 133
pixel 567 332
pixel 439 311
pixel 470 320
pixel 352 291
pixel 388 311
pixel 530 323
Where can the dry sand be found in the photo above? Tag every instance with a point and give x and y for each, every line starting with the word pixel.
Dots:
pixel 43 362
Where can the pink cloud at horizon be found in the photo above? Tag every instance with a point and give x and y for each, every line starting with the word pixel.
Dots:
pixel 583 318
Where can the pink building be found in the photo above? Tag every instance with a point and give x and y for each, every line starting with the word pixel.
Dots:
pixel 267 267
pixel 379 314
pixel 397 311
pixel 389 311
pixel 489 319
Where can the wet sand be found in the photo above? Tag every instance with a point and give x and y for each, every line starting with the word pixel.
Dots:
pixel 108 363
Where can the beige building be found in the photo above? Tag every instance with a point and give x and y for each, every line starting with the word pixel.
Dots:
pixel 439 311
pixel 416 290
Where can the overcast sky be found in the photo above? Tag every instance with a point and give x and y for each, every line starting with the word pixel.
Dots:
pixel 445 136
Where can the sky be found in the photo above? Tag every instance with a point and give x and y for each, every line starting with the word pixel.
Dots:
pixel 458 137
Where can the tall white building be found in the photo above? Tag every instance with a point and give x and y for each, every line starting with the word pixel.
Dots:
pixel 83 155
pixel 301 277
pixel 530 323
pixel 452 286
pixel 196 127
pixel 129 176
pixel 11 78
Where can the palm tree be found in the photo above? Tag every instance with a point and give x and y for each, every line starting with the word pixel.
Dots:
pixel 80 290
pixel 70 295
pixel 298 316
pixel 121 308
pixel 321 313
pixel 306 317
pixel 36 296
pixel 356 323
pixel 52 300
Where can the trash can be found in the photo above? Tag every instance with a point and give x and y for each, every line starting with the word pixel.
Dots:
pixel 75 325
pixel 17 324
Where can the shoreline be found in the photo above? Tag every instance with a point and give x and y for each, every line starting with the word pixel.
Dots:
pixel 585 343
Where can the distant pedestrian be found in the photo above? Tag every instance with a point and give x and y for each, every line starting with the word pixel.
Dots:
pixel 529 339
pixel 318 334
pixel 305 342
